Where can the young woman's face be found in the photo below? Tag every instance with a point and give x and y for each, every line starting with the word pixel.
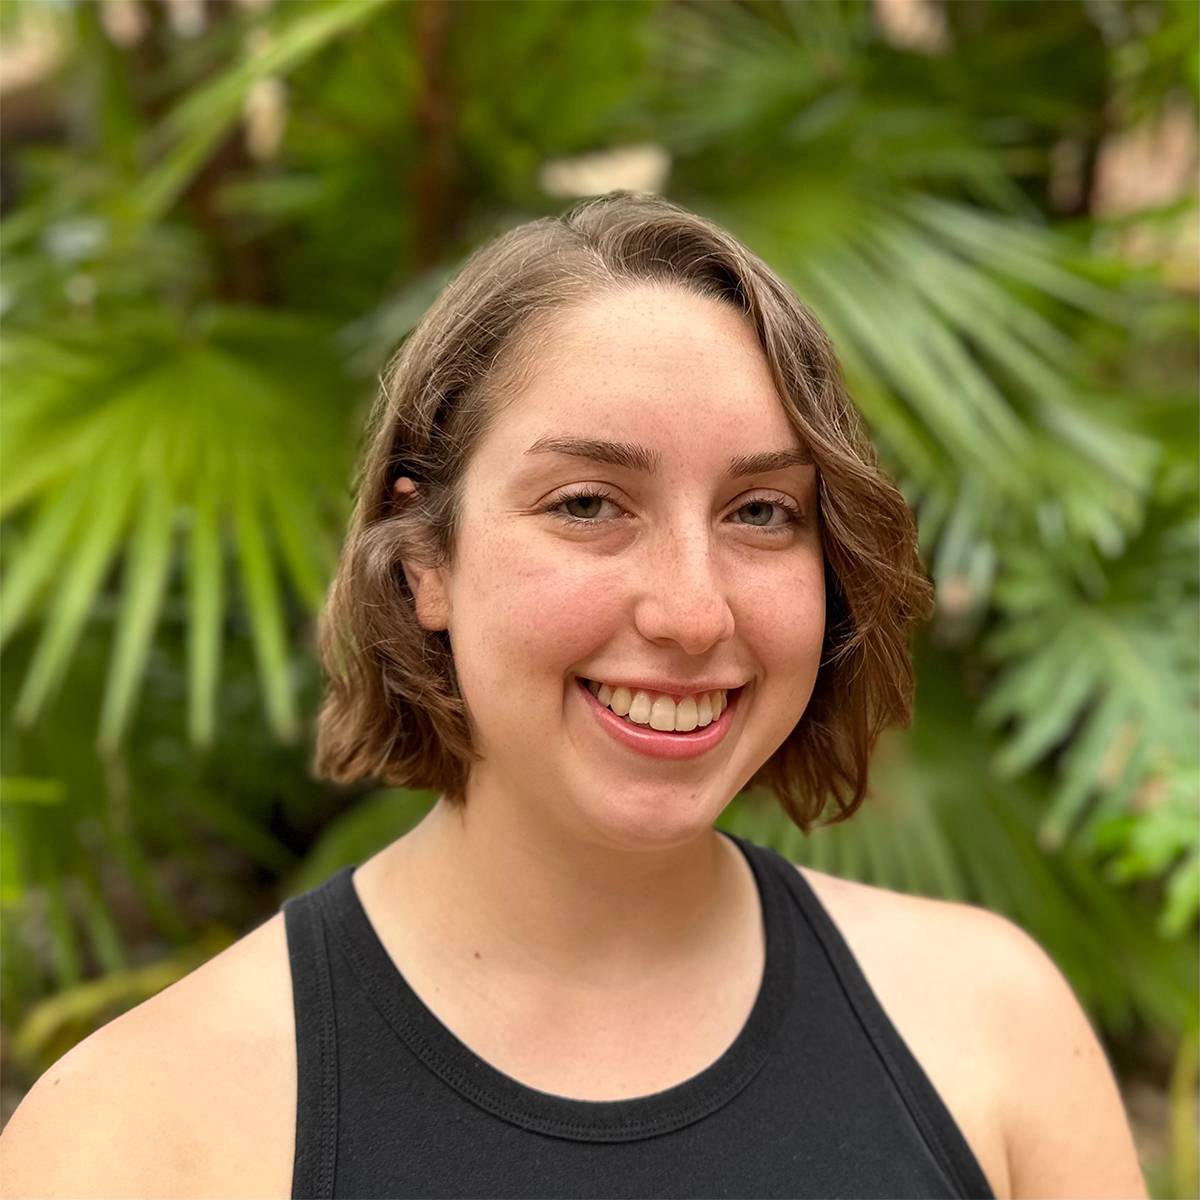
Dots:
pixel 662 568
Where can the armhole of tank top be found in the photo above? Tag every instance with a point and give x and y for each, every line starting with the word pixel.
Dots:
pixel 315 1152
pixel 934 1120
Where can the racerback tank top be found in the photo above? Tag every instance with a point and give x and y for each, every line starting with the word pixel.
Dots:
pixel 817 1096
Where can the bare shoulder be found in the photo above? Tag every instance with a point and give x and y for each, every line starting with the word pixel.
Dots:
pixel 933 952
pixel 877 916
pixel 191 1093
pixel 911 951
pixel 1000 1033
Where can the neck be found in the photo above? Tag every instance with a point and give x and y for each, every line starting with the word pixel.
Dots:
pixel 493 886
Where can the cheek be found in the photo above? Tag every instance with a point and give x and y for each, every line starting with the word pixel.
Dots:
pixel 781 616
pixel 521 610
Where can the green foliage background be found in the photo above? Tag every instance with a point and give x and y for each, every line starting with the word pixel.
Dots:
pixel 216 235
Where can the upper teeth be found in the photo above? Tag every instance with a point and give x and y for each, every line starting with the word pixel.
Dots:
pixel 661 712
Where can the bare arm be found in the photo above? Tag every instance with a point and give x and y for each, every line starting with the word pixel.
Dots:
pixel 192 1093
pixel 91 1126
pixel 1066 1131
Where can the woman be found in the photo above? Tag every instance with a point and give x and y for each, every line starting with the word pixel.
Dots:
pixel 621 550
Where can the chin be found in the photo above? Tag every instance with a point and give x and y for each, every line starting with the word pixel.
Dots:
pixel 649 816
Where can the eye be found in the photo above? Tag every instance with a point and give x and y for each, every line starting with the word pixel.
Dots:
pixel 792 516
pixel 588 498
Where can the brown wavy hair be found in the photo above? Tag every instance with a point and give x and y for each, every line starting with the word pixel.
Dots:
pixel 393 711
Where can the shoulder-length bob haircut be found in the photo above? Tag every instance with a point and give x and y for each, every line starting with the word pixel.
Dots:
pixel 393 712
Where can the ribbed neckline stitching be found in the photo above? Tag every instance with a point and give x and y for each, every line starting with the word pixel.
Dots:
pixel 562 1116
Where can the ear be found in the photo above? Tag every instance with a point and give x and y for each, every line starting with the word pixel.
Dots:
pixel 431 597
pixel 428 585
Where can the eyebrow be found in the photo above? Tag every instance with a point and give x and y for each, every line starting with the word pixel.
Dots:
pixel 634 457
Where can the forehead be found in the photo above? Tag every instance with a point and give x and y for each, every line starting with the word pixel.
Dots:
pixel 681 373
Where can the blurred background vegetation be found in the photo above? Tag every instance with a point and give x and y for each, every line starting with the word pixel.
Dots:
pixel 220 218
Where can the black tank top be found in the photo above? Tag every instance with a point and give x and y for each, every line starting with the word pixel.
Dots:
pixel 818 1095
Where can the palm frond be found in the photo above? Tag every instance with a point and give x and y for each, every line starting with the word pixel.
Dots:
pixel 1100 656
pixel 195 126
pixel 236 430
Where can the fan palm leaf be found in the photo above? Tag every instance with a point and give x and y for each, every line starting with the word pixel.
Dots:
pixel 170 438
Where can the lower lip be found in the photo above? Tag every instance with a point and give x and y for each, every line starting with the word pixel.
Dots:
pixel 654 742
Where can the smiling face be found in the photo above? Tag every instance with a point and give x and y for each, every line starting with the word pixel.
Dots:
pixel 567 567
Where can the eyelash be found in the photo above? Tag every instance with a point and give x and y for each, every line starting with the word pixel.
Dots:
pixel 794 514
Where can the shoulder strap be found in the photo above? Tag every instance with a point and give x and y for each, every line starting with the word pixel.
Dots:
pixel 936 1123
pixel 316 1050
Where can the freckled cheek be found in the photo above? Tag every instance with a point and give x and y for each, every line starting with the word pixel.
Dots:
pixel 782 618
pixel 528 616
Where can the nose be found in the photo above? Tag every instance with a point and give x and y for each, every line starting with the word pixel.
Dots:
pixel 682 597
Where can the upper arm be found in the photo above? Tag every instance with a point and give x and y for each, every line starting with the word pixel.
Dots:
pixel 1066 1130
pixel 191 1093
pixel 93 1125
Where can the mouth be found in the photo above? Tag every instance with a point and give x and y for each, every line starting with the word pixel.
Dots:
pixel 657 743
